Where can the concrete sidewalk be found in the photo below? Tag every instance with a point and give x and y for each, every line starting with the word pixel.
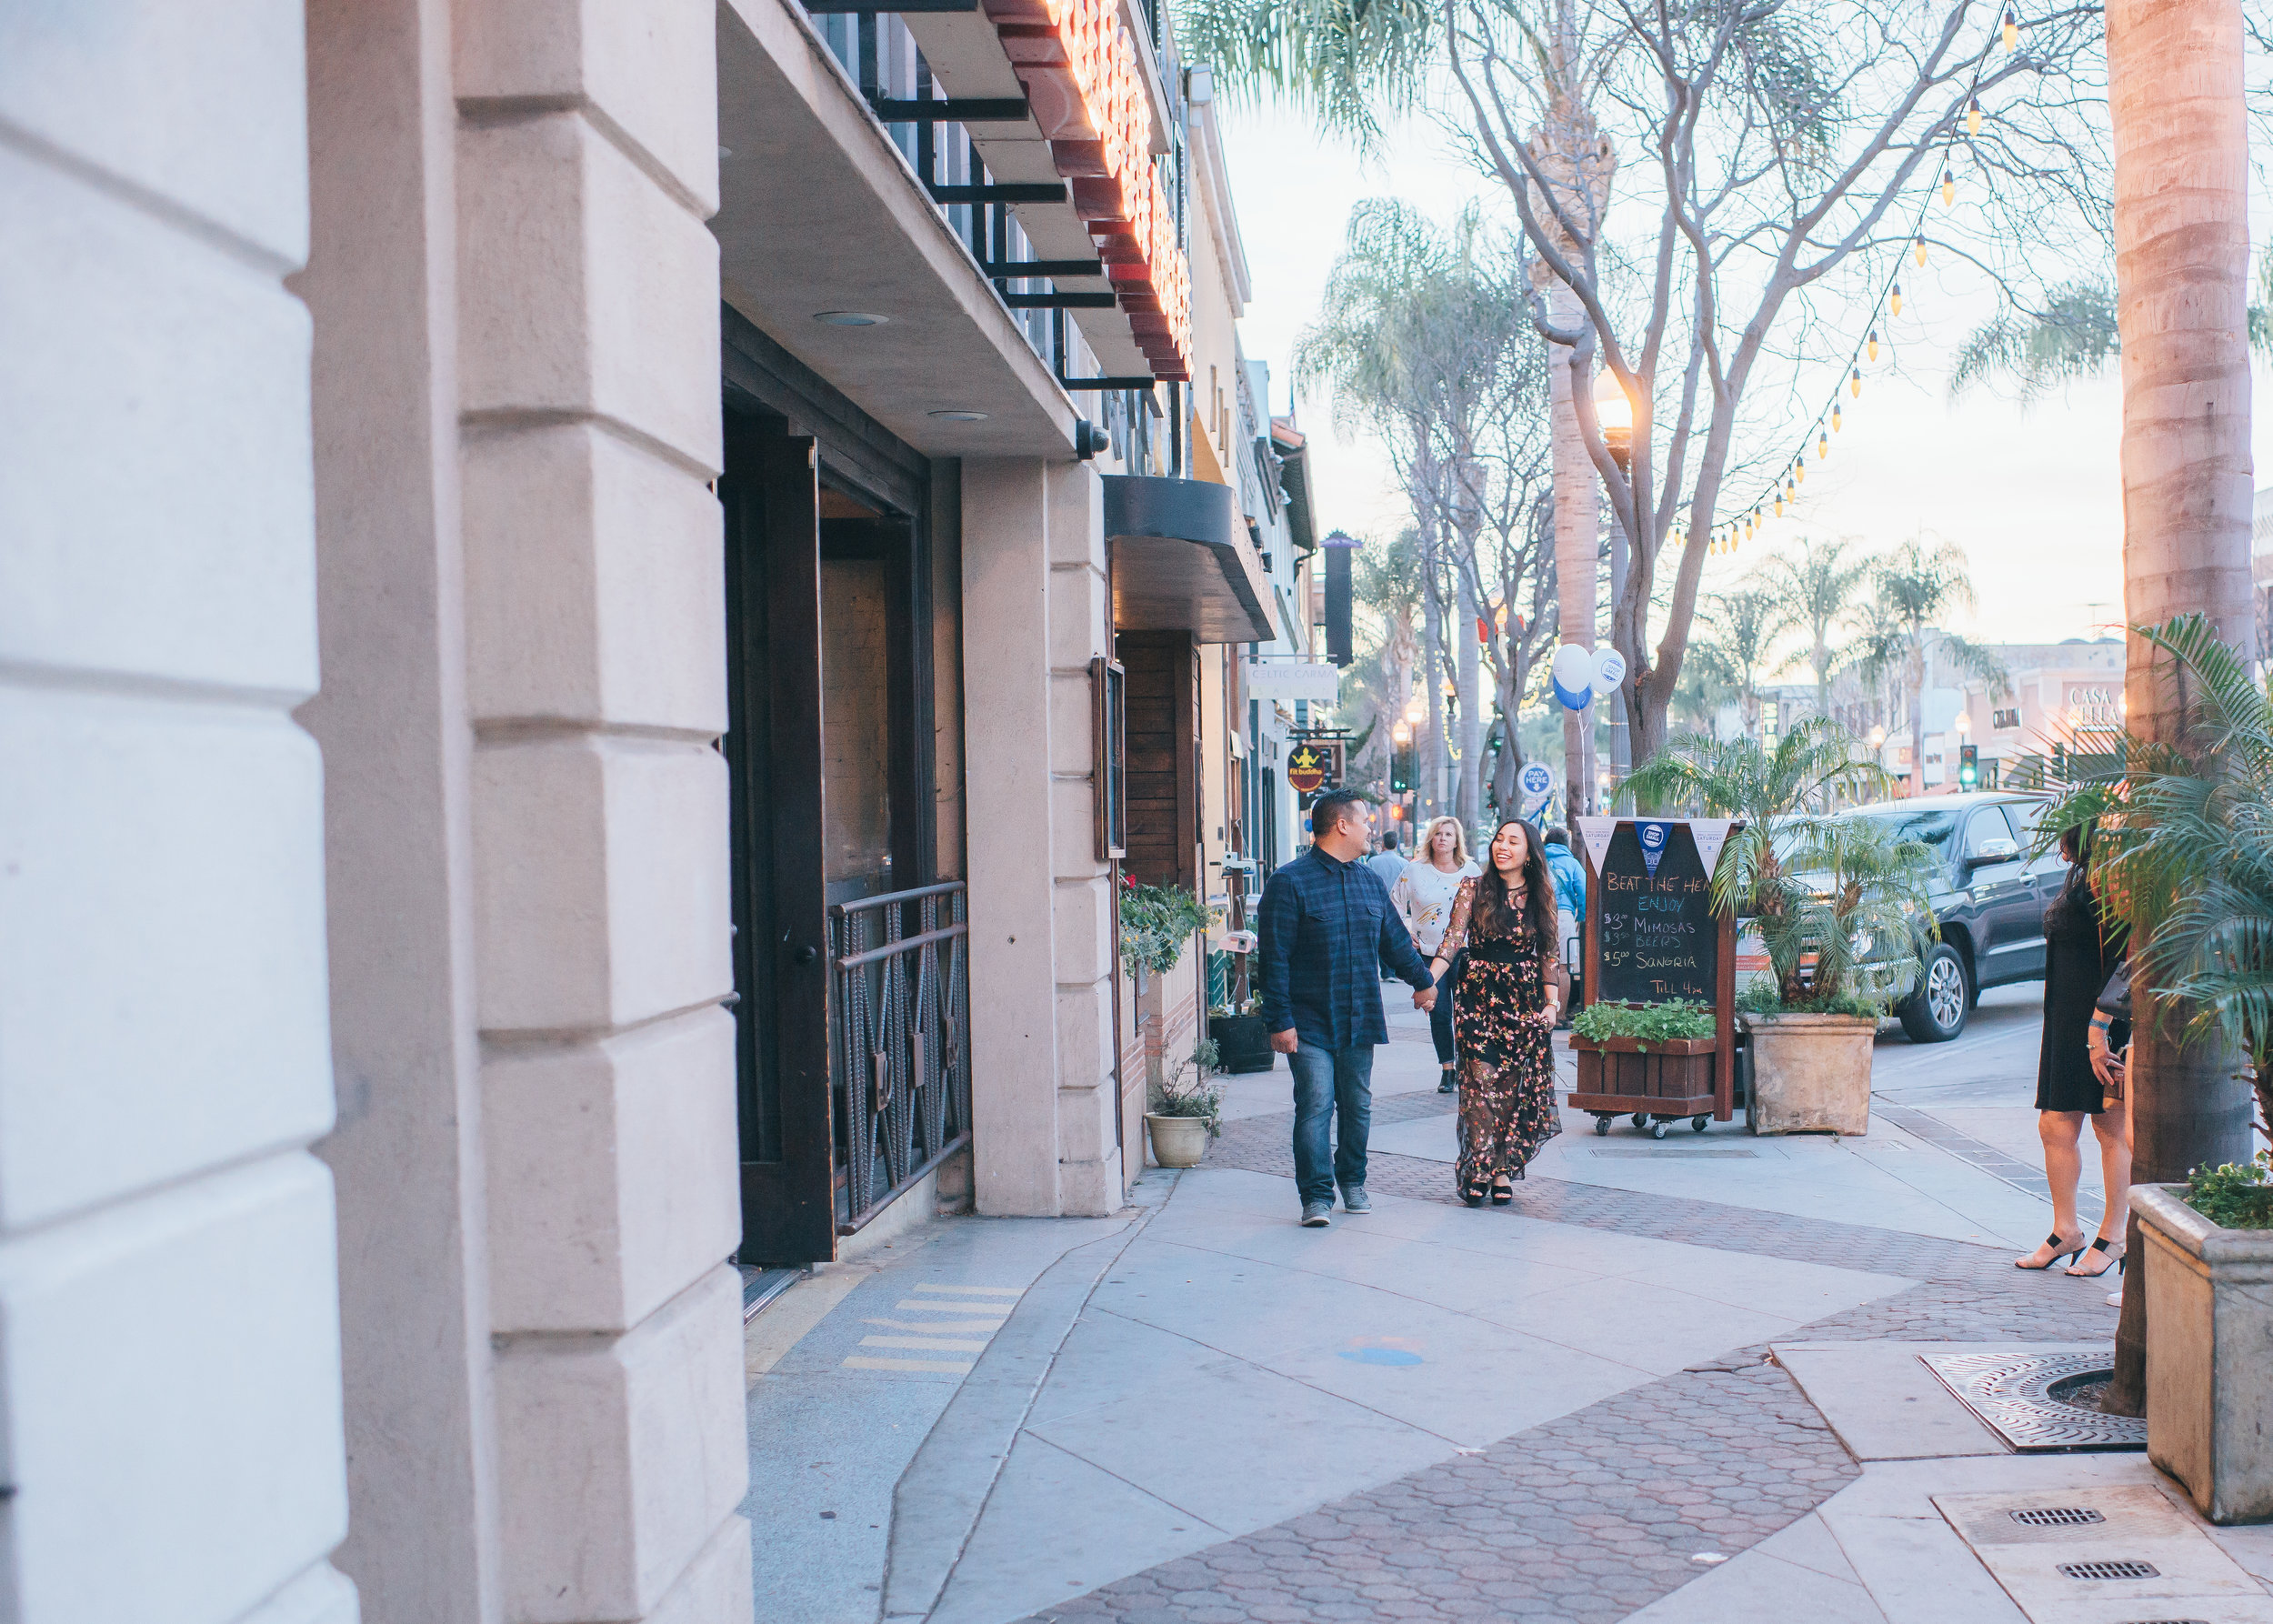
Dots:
pixel 1675 1381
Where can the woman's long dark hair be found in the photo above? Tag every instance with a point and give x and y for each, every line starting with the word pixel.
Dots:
pixel 1539 887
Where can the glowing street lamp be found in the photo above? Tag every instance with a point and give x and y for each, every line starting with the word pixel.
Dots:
pixel 1615 412
pixel 1401 733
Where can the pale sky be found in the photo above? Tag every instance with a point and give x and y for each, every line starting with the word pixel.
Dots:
pixel 2031 494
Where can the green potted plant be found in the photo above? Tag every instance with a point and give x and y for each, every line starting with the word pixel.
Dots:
pixel 1187 1110
pixel 1839 905
pixel 1646 1056
pixel 1238 1033
pixel 1158 922
pixel 2185 844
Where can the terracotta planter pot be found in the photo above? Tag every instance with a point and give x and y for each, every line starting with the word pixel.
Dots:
pixel 2210 1355
pixel 1178 1141
pixel 1810 1073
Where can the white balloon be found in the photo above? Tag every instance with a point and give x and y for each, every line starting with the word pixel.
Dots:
pixel 1609 670
pixel 1574 668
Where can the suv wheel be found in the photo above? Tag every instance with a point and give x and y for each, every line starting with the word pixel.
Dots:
pixel 1936 1012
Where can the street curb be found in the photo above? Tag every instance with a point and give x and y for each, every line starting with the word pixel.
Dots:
pixel 938 1501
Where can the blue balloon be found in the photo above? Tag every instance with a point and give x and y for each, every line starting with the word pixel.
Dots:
pixel 1572 698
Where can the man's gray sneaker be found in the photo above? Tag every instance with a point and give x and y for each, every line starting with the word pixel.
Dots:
pixel 1354 1201
pixel 1316 1215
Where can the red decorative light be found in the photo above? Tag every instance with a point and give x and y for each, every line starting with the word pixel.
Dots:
pixel 1079 66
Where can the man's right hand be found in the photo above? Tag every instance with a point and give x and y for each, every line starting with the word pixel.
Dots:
pixel 1285 1042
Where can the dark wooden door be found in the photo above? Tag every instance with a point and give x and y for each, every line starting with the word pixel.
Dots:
pixel 771 500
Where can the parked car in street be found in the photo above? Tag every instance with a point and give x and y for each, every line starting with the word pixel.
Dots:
pixel 1989 895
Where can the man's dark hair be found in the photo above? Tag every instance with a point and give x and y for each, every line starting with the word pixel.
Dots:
pixel 1388 838
pixel 1330 808
pixel 1559 835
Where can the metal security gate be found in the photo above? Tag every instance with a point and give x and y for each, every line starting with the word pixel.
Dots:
pixel 901 1046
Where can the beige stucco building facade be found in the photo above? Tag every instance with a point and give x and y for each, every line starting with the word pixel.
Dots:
pixel 551 567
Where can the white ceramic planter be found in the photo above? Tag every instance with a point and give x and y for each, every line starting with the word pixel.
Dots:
pixel 1810 1073
pixel 1178 1141
pixel 2210 1355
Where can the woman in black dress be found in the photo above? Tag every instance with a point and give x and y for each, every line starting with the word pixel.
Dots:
pixel 1503 1011
pixel 2081 950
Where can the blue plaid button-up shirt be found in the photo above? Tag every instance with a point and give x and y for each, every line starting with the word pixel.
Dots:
pixel 1327 928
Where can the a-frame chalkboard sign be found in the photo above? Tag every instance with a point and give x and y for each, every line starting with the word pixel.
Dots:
pixel 1652 935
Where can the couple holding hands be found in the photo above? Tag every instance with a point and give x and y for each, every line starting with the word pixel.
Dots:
pixel 1327 924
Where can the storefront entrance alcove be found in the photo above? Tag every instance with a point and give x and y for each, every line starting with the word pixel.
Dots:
pixel 848 904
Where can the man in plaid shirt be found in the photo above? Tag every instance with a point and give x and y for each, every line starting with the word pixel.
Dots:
pixel 1326 925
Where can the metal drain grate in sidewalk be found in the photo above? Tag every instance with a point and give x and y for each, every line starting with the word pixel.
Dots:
pixel 2040 1403
pixel 2128 1567
pixel 2121 1553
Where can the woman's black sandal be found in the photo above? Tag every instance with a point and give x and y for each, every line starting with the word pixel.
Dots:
pixel 1473 1194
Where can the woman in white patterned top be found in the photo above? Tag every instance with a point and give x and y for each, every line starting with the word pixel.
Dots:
pixel 1423 898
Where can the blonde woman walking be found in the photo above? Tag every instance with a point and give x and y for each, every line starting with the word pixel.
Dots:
pixel 1423 898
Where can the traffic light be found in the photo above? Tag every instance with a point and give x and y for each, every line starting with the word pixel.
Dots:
pixel 1968 767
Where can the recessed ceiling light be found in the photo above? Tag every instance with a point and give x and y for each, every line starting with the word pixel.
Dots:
pixel 960 415
pixel 850 319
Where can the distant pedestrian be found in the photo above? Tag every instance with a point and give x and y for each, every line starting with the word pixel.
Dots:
pixel 1570 892
pixel 1423 895
pixel 1326 922
pixel 1504 1008
pixel 1387 865
pixel 2073 1078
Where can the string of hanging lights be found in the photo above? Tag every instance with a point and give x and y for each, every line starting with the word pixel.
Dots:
pixel 1784 488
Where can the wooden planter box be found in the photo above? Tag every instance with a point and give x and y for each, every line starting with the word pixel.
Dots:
pixel 1658 1081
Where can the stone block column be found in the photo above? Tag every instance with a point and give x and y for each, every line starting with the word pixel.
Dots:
pixel 587 301
pixel 169 1329
pixel 1006 730
pixel 1080 622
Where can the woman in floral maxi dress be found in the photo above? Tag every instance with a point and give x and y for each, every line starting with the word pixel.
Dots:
pixel 1505 1009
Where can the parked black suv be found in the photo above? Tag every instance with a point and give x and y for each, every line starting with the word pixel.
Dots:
pixel 1989 895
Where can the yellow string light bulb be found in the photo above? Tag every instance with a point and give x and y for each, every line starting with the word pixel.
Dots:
pixel 1854 382
pixel 1873 350
pixel 1948 188
pixel 1803 467
pixel 1973 117
pixel 1896 304
pixel 1835 418
pixel 2012 30
pixel 1823 444
pixel 1918 248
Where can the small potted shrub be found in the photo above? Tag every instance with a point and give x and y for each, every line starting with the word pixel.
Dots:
pixel 1239 1036
pixel 2209 1266
pixel 1652 1059
pixel 1187 1111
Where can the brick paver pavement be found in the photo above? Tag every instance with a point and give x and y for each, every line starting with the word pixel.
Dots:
pixel 1589 1517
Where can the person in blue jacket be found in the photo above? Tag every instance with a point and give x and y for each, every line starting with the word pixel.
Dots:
pixel 1570 891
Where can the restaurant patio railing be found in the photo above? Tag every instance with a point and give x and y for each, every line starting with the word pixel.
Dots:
pixel 900 1042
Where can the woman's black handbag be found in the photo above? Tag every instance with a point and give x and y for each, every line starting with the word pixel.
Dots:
pixel 2114 998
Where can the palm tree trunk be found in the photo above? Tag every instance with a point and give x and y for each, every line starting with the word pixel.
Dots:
pixel 2182 267
pixel 1577 545
pixel 1469 805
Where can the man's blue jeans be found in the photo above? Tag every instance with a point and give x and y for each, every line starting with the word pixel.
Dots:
pixel 1330 1084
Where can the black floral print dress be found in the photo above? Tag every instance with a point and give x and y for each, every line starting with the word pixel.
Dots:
pixel 1506 1048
